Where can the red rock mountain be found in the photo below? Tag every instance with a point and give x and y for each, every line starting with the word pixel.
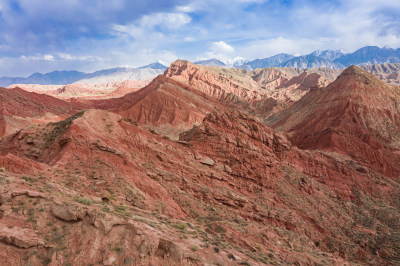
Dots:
pixel 165 104
pixel 178 173
pixel 261 91
pixel 357 115
pixel 19 108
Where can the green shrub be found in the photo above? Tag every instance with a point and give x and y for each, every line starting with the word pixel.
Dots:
pixel 84 200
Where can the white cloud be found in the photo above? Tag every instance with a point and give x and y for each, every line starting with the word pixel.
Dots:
pixel 69 57
pixel 48 57
pixel 186 9
pixel 147 23
pixel 219 50
pixel 64 56
pixel 138 35
pixel 189 39
pixel 269 47
pixel 142 56
pixel 221 47
pixel 251 1
pixel 167 20
pixel 202 5
pixel 147 28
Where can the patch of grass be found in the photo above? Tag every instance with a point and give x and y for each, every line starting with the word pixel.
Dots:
pixel 14 209
pixel 60 127
pixel 45 259
pixel 129 260
pixel 31 214
pixel 109 128
pixel 117 249
pixel 181 226
pixel 84 200
pixel 106 208
pixel 28 179
pixel 122 210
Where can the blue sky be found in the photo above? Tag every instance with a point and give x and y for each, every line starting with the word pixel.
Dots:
pixel 87 35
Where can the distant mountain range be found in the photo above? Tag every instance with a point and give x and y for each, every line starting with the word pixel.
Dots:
pixel 335 59
pixel 272 61
pixel 102 76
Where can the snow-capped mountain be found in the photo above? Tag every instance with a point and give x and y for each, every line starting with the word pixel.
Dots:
pixel 310 61
pixel 328 54
pixel 235 62
pixel 273 61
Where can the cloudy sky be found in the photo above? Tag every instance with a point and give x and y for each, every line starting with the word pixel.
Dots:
pixel 87 35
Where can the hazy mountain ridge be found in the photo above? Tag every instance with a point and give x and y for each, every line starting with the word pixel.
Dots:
pixel 55 77
pixel 210 62
pixel 107 75
pixel 120 74
pixel 370 55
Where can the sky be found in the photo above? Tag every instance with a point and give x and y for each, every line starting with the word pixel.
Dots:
pixel 88 35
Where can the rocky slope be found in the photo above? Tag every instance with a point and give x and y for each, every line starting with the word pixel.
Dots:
pixel 165 105
pixel 357 115
pixel 140 198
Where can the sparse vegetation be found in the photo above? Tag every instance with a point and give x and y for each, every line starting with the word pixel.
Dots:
pixel 129 260
pixel 118 249
pixel 28 179
pixel 84 200
pixel 60 127
pixel 122 210
pixel 231 256
pixel 181 227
